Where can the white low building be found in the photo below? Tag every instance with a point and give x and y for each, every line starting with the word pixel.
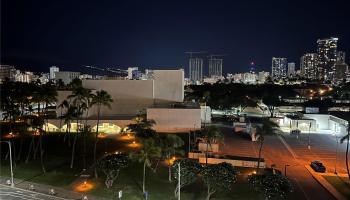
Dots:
pixel 157 96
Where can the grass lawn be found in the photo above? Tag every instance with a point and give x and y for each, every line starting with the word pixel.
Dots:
pixel 58 172
pixel 342 184
pixel 158 186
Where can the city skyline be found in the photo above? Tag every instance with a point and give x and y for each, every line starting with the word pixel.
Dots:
pixel 124 34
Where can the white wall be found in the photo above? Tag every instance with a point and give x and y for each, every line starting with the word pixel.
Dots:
pixel 322 121
pixel 168 86
pixel 175 119
pixel 129 96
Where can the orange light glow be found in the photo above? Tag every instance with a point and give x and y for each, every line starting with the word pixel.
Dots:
pixel 134 144
pixel 84 187
pixel 127 137
pixel 101 135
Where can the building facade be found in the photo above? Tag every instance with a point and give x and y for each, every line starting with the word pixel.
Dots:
pixel 291 69
pixel 196 69
pixel 215 67
pixel 53 70
pixel 7 71
pixel 66 76
pixel 279 68
pixel 326 58
pixel 308 66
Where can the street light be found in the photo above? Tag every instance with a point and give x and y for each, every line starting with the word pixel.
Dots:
pixel 336 154
pixel 285 170
pixel 309 146
pixel 9 143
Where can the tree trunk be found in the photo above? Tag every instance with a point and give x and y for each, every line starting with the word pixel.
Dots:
pixel 20 149
pixel 84 140
pixel 144 177
pixel 73 151
pixel 169 170
pixel 209 193
pixel 31 146
pixel 206 154
pixel 260 150
pixel 96 138
pixel 41 154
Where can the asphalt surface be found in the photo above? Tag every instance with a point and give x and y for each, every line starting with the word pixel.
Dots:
pixel 9 193
pixel 288 150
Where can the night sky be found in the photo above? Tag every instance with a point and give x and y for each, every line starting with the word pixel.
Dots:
pixel 156 34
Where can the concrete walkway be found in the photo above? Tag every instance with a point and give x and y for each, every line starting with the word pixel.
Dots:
pixel 45 189
pixel 325 183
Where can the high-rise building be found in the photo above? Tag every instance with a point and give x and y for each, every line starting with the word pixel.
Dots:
pixel 341 56
pixel 279 68
pixel 196 69
pixel 262 77
pixel 66 76
pixel 308 66
pixel 53 69
pixel 215 67
pixel 326 58
pixel 341 70
pixel 291 69
pixel 131 72
pixel 7 71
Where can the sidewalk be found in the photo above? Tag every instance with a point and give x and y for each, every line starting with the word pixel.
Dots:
pixel 319 178
pixel 45 189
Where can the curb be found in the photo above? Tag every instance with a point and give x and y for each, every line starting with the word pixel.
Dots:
pixel 319 178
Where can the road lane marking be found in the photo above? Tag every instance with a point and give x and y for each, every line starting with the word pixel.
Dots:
pixel 301 188
pixel 288 147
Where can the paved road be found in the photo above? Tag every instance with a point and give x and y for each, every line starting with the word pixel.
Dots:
pixel 8 193
pixel 275 151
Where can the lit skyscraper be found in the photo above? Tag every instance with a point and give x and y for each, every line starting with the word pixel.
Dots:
pixel 53 69
pixel 326 58
pixel 215 67
pixel 341 56
pixel 279 68
pixel 308 66
pixel 291 69
pixel 196 69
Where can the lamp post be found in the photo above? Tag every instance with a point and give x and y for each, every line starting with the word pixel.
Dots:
pixel 336 154
pixel 308 145
pixel 285 170
pixel 11 170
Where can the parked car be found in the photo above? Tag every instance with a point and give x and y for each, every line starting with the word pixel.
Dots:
pixel 295 132
pixel 318 166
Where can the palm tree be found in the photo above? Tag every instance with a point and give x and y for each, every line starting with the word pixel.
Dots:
pixel 347 138
pixel 148 152
pixel 142 126
pixel 211 135
pixel 102 98
pixel 62 105
pixel 266 128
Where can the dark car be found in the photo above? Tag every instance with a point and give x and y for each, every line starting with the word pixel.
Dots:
pixel 318 166
pixel 295 132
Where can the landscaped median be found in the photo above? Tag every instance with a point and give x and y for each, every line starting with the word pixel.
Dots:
pixel 341 183
pixel 330 182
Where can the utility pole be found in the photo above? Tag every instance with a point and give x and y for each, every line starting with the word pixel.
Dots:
pixel 11 170
pixel 336 153
pixel 309 146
